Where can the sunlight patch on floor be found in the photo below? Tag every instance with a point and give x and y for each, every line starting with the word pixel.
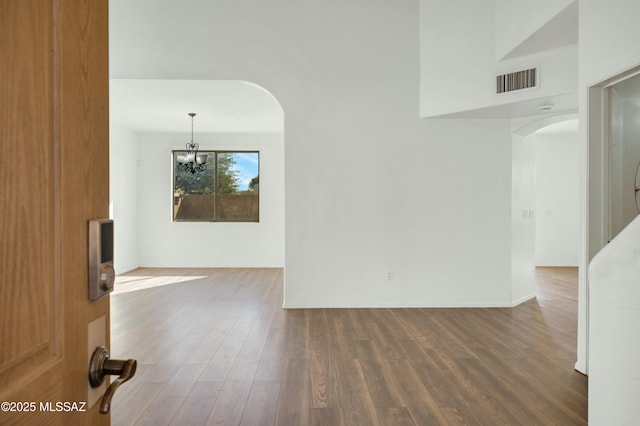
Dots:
pixel 126 284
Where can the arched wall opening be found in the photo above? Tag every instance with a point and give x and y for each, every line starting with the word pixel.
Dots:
pixel 148 121
pixel 545 199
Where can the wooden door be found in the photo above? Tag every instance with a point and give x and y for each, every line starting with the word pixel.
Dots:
pixel 54 174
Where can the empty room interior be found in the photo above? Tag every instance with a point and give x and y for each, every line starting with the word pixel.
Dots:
pixel 421 234
pixel 421 250
pixel 336 212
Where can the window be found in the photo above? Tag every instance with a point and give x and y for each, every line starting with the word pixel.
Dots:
pixel 227 191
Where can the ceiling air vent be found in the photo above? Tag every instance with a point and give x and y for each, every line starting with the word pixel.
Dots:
pixel 516 81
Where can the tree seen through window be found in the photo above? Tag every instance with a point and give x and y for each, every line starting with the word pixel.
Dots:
pixel 227 191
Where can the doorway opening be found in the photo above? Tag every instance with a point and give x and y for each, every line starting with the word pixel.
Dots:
pixel 600 123
pixel 527 206
pixel 545 200
pixel 623 154
pixel 149 120
pixel 613 148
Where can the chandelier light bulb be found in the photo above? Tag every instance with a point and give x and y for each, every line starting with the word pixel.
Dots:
pixel 192 162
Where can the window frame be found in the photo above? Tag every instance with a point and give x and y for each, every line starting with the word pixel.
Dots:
pixel 213 157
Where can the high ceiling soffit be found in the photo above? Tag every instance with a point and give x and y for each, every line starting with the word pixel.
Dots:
pixel 560 31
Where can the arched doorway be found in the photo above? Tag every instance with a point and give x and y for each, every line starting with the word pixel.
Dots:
pixel 550 206
pixel 148 121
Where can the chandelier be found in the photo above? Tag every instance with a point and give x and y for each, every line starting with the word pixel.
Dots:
pixel 192 161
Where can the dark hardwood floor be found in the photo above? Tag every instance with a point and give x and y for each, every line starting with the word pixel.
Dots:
pixel 214 346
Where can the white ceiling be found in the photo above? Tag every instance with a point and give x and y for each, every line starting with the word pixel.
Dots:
pixel 560 31
pixel 162 106
pixel 569 126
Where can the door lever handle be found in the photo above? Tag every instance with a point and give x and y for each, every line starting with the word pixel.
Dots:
pixel 100 366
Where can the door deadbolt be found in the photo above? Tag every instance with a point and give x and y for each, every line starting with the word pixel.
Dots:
pixel 101 366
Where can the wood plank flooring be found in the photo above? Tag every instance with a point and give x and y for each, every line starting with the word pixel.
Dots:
pixel 214 346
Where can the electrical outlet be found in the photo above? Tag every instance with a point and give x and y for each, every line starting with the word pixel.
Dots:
pixel 389 275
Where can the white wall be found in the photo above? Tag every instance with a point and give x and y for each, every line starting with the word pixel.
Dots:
pixel 608 31
pixel 523 217
pixel 457 54
pixel 458 65
pixel 608 35
pixel 370 188
pixel 617 140
pixel 163 242
pixel 625 156
pixel 123 189
pixel 614 293
pixel 558 232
